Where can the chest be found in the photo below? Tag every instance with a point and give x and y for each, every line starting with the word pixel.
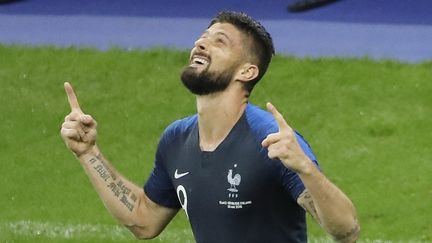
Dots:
pixel 233 179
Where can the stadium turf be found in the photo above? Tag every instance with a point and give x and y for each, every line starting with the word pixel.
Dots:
pixel 368 122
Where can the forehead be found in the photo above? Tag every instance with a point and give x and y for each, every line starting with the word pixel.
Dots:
pixel 225 28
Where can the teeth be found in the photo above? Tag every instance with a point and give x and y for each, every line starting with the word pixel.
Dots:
pixel 199 60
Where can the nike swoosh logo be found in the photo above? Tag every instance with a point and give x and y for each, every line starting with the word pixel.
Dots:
pixel 177 175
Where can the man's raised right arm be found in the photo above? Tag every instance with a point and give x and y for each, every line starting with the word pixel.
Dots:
pixel 126 201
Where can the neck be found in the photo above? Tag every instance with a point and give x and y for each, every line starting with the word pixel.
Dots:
pixel 217 115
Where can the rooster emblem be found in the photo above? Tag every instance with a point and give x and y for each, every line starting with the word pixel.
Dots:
pixel 233 180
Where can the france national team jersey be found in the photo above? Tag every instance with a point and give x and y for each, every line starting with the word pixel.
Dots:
pixel 235 193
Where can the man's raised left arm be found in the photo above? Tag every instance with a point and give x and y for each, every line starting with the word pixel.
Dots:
pixel 332 209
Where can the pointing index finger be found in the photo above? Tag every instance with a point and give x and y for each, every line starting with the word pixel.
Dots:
pixel 73 101
pixel 282 124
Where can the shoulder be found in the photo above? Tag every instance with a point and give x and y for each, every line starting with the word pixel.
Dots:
pixel 182 125
pixel 261 122
pixel 179 128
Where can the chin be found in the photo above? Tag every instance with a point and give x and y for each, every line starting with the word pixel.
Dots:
pixel 200 81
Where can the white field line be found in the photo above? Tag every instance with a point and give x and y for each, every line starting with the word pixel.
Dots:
pixel 59 231
pixel 362 240
pixel 64 231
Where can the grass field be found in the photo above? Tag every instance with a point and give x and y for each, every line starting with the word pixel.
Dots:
pixel 369 122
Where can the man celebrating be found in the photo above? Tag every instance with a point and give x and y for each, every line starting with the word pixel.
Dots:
pixel 240 173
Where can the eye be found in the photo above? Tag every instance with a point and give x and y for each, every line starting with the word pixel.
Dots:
pixel 220 41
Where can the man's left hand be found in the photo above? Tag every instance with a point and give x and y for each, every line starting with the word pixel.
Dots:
pixel 283 145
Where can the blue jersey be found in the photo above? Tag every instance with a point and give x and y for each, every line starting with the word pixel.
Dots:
pixel 235 193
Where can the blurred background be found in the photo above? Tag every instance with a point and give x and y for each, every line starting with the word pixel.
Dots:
pixel 354 77
pixel 373 28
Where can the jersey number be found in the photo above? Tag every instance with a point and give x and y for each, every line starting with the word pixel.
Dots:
pixel 181 193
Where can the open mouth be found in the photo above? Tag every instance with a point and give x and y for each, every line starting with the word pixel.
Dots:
pixel 199 61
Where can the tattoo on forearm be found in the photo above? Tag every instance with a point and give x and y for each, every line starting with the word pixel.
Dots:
pixel 123 193
pixel 349 236
pixel 310 206
pixel 118 187
pixel 102 172
pixel 93 160
pixel 313 211
pixel 106 168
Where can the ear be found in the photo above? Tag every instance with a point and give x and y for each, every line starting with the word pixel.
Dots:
pixel 247 72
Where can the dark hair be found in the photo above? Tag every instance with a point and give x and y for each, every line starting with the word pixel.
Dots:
pixel 262 43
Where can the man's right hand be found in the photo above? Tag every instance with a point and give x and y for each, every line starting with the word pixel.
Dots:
pixel 79 129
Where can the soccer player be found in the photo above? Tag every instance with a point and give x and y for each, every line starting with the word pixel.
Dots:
pixel 240 173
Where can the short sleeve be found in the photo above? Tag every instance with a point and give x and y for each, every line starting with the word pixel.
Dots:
pixel 159 187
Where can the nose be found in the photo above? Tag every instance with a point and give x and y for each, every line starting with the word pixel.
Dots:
pixel 200 44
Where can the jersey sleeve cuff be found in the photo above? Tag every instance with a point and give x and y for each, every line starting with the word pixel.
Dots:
pixel 162 197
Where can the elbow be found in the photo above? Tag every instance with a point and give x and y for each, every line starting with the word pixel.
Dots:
pixel 349 234
pixel 141 236
pixel 143 233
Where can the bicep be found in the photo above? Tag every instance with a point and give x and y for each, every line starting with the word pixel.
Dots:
pixel 161 214
pixel 151 218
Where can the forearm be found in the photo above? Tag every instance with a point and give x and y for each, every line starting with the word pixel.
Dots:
pixel 126 201
pixel 119 195
pixel 334 209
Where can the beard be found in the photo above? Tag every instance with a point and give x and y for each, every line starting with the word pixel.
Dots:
pixel 206 82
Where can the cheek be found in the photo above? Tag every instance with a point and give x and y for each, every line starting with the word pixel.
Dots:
pixel 190 54
pixel 222 62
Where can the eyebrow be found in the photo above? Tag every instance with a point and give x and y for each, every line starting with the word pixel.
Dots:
pixel 223 33
pixel 219 33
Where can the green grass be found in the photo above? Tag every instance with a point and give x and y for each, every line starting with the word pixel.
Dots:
pixel 368 121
